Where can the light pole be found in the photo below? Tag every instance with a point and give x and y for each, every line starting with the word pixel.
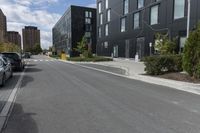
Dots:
pixel 150 46
pixel 188 19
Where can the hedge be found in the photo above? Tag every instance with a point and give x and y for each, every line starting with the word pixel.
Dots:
pixel 93 59
pixel 161 64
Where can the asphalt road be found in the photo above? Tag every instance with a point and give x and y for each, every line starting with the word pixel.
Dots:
pixel 57 97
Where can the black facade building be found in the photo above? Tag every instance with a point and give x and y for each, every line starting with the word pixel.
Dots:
pixel 74 24
pixel 127 27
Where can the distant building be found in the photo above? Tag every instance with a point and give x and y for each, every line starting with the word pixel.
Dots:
pixel 14 37
pixel 3 27
pixel 31 37
pixel 74 24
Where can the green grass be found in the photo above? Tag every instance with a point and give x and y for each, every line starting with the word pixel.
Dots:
pixel 93 59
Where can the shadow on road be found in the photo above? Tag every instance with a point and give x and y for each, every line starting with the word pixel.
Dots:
pixel 30 65
pixel 27 79
pixel 21 122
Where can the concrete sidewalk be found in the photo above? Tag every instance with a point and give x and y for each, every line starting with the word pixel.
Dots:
pixel 135 70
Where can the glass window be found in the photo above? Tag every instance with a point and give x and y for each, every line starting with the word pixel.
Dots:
pixel 136 20
pixel 86 14
pixel 101 19
pixel 99 7
pixel 123 24
pixel 105 44
pixel 90 14
pixel 87 20
pixel 108 15
pixel 154 15
pixel 179 9
pixel 140 3
pixel 106 3
pixel 99 32
pixel 126 6
pixel 106 30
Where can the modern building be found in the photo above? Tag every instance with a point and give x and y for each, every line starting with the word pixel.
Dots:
pixel 31 37
pixel 3 27
pixel 127 27
pixel 14 37
pixel 73 25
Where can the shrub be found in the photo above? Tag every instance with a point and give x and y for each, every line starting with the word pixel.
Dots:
pixel 160 64
pixel 191 54
pixel 164 45
pixel 93 59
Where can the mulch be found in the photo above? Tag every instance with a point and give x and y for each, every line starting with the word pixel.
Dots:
pixel 180 77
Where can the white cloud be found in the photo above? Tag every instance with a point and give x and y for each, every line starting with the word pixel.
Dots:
pixel 20 14
pixel 92 5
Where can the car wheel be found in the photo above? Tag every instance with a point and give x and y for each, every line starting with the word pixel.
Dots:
pixel 3 82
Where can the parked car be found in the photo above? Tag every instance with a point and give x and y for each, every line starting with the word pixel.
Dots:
pixel 5 70
pixel 16 59
pixel 26 55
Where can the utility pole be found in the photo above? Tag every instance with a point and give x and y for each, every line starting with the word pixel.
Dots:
pixel 188 19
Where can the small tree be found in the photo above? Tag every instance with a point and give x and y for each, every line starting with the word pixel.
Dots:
pixel 81 46
pixel 191 54
pixel 9 47
pixel 164 45
pixel 37 49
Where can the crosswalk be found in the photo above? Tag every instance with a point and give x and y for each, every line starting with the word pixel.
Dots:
pixel 40 60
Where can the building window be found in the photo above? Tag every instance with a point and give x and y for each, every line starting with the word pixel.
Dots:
pixel 136 18
pixel 99 32
pixel 154 15
pixel 106 30
pixel 179 9
pixel 140 3
pixel 88 27
pixel 101 18
pixel 87 20
pixel 123 24
pixel 106 4
pixel 105 44
pixel 126 6
pixel 99 7
pixel 88 14
pixel 108 15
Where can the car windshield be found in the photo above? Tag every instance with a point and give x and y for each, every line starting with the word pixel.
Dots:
pixel 13 56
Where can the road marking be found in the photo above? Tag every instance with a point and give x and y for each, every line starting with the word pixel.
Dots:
pixel 7 109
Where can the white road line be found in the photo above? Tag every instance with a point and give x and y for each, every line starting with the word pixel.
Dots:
pixel 7 109
pixel 35 60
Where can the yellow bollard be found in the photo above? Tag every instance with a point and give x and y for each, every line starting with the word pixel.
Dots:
pixel 63 56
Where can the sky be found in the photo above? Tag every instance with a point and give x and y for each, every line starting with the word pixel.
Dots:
pixel 41 13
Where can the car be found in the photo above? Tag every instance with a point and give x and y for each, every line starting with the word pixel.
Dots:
pixel 16 59
pixel 26 55
pixel 5 70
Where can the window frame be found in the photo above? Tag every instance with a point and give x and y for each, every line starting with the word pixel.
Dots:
pixel 174 6
pixel 123 18
pixel 150 22
pixel 138 20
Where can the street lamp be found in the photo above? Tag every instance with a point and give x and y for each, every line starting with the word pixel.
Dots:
pixel 188 19
pixel 150 46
